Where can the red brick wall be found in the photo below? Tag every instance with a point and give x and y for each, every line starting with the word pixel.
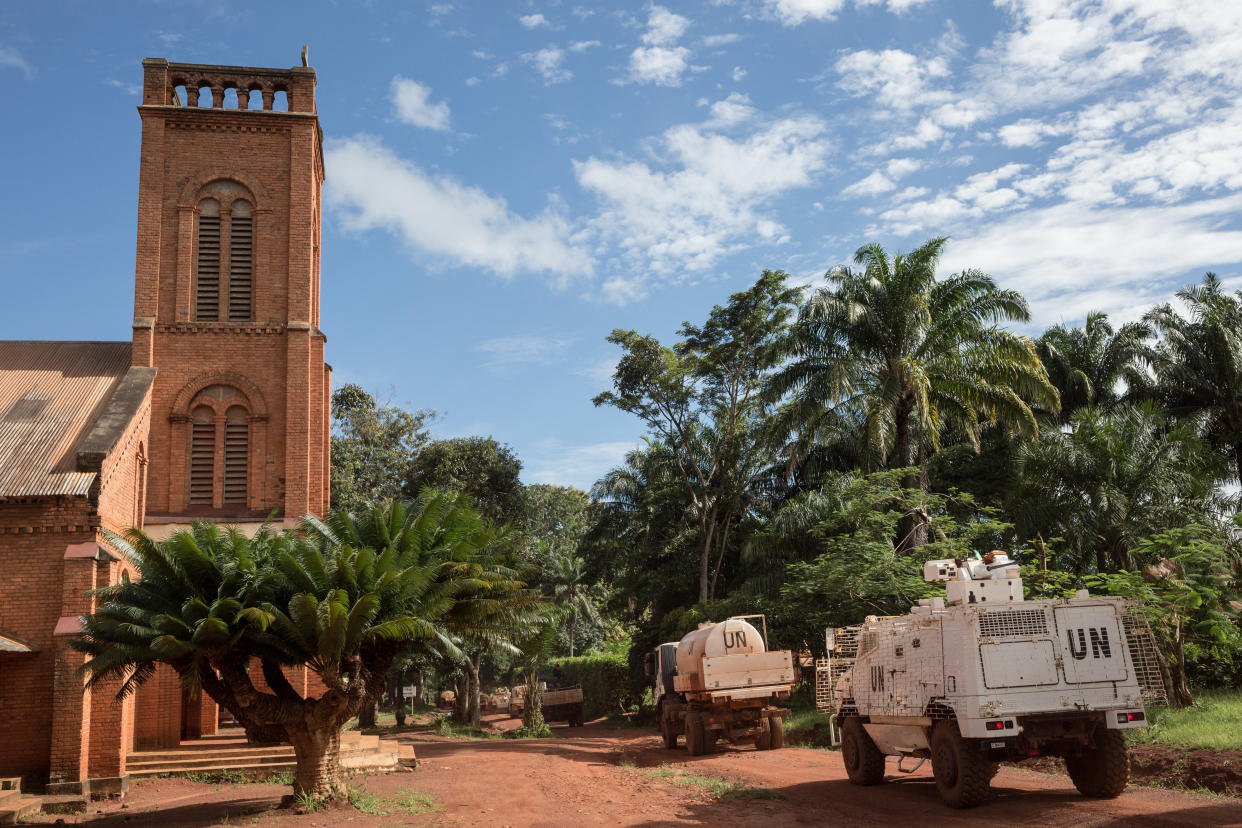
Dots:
pixel 33 537
pixel 274 161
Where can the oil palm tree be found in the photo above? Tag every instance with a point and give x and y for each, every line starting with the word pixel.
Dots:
pixel 1088 365
pixel 1110 479
pixel 910 354
pixel 567 576
pixel 1198 363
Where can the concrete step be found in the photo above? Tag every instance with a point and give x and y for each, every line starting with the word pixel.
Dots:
pixel 195 763
pixel 225 754
pixel 243 767
pixel 13 808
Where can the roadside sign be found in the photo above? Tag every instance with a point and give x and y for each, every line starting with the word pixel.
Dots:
pixel 407 692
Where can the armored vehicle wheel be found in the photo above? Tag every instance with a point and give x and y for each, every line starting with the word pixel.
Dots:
pixel 763 739
pixel 962 770
pixel 668 732
pixel 696 736
pixel 1103 769
pixel 864 764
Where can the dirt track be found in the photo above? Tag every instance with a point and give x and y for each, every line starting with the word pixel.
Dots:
pixel 600 775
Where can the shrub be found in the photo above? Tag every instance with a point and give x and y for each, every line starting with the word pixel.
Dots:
pixel 605 680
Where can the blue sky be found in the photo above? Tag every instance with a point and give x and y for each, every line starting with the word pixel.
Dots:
pixel 507 182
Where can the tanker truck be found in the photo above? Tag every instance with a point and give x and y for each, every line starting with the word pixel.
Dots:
pixel 720 682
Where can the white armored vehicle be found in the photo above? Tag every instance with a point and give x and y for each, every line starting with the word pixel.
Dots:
pixel 720 682
pixel 984 675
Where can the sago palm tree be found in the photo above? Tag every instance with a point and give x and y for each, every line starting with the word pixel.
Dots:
pixel 910 354
pixel 211 604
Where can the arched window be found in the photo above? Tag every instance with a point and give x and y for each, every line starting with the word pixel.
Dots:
pixel 202 456
pixel 219 469
pixel 241 261
pixel 207 290
pixel 236 455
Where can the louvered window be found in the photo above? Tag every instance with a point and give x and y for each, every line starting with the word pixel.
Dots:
pixel 207 290
pixel 241 262
pixel 236 456
pixel 202 457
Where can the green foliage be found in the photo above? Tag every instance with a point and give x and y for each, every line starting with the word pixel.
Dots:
pixel 482 468
pixel 406 801
pixel 605 680
pixel 538 731
pixel 373 447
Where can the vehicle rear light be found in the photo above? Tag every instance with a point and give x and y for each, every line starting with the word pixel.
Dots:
pixel 996 725
pixel 1131 716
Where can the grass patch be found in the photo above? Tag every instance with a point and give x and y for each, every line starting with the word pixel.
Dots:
pixel 406 801
pixel 447 727
pixel 712 785
pixel 524 732
pixel 221 777
pixel 1215 723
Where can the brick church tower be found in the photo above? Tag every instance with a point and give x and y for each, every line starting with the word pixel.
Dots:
pixel 226 302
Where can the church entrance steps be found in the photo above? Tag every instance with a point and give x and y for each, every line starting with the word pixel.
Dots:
pixel 14 804
pixel 215 754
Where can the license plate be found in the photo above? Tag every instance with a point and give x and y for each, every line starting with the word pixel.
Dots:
pixel 998 744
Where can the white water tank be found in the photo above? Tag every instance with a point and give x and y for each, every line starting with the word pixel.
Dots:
pixel 732 637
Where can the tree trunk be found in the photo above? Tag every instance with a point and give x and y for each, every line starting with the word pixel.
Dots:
pixel 573 622
pixel 461 686
pixel 368 713
pixel 705 557
pixel 472 675
pixel 911 532
pixel 318 752
pixel 1181 685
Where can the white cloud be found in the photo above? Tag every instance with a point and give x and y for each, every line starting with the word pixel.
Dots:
pixel 716 41
pixel 892 77
pixel 659 65
pixel 411 104
pixel 733 110
pixel 582 45
pixel 1071 258
pixel 660 62
pixel 533 21
pixel 10 58
pixel 796 12
pixel 507 352
pixel 706 199
pixel 134 89
pixel 663 27
pixel 874 184
pixel 555 463
pixel 371 188
pixel 549 62
pixel 738 74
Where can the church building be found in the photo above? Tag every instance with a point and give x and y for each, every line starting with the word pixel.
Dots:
pixel 218 408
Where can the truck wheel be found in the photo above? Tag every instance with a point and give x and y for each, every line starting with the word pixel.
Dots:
pixel 668 732
pixel 696 736
pixel 962 771
pixel 777 727
pixel 864 764
pixel 763 739
pixel 1103 769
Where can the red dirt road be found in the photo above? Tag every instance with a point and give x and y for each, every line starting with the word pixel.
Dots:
pixel 601 775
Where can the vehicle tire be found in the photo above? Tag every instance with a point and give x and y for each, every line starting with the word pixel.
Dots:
pixel 669 732
pixel 696 737
pixel 1103 769
pixel 963 772
pixel 864 764
pixel 763 739
pixel 777 726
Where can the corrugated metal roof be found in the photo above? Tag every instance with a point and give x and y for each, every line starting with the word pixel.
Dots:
pixel 51 393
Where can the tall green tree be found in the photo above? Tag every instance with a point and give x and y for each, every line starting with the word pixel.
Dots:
pixel 1112 478
pixel 373 447
pixel 701 399
pixel 556 518
pixel 1094 364
pixel 912 354
pixel 571 591
pixel 479 466
pixel 1198 363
